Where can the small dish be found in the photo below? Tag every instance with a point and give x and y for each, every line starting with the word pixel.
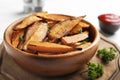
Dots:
pixel 109 23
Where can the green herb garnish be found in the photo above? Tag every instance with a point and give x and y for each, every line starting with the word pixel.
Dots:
pixel 21 38
pixel 94 71
pixel 80 30
pixel 49 27
pixel 107 55
pixel 83 42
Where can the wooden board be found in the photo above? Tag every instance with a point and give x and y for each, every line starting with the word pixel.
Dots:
pixel 11 71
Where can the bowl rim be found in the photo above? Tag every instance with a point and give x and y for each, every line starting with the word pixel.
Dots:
pixel 67 54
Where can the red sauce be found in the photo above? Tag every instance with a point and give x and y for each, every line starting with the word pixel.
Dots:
pixel 109 18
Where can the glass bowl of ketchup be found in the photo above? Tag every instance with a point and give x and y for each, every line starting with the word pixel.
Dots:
pixel 109 23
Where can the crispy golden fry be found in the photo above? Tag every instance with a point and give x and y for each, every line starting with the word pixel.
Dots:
pixel 36 33
pixel 31 30
pixel 84 24
pixel 50 34
pixel 58 17
pixel 78 28
pixel 26 22
pixel 53 17
pixel 75 38
pixel 75 30
pixel 51 23
pixel 63 28
pixel 83 46
pixel 40 33
pixel 17 37
pixel 41 14
pixel 48 47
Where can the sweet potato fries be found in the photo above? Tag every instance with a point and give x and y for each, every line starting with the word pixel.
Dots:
pixel 51 33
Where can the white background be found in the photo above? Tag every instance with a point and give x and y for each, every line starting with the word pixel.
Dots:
pixel 11 10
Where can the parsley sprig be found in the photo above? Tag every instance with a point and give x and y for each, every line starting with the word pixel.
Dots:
pixel 94 71
pixel 107 55
pixel 83 42
pixel 21 38
pixel 80 30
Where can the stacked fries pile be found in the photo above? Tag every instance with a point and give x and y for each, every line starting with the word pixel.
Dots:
pixel 43 33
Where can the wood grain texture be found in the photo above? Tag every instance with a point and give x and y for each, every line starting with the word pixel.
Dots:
pixel 11 71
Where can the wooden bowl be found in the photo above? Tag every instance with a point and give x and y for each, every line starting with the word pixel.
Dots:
pixel 51 65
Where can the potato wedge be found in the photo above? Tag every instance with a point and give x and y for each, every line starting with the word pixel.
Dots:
pixel 16 37
pixel 53 17
pixel 58 17
pixel 84 24
pixel 83 46
pixel 38 34
pixel 51 23
pixel 48 47
pixel 62 28
pixel 26 22
pixel 75 38
pixel 79 27
pixel 41 14
pixel 31 30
